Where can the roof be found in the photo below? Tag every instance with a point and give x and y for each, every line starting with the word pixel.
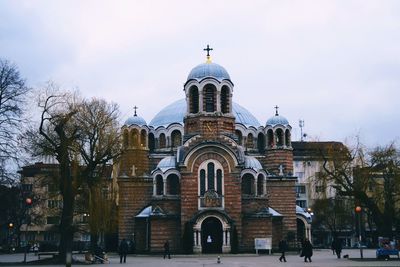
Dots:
pixel 277 119
pixel 175 112
pixel 167 163
pixel 135 120
pixel 314 150
pixel 208 69
pixel 252 163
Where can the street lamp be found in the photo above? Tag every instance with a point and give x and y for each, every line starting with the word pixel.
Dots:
pixel 358 210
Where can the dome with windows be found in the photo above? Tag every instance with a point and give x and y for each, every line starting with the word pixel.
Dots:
pixel 167 163
pixel 252 163
pixel 277 119
pixel 175 112
pixel 135 120
pixel 208 69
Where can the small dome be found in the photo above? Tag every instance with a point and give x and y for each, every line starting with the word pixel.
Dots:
pixel 252 163
pixel 208 69
pixel 135 120
pixel 167 163
pixel 277 119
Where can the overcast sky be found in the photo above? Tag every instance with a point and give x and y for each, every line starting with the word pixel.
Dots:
pixel 335 64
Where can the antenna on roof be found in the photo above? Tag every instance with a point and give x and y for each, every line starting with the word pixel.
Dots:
pixel 302 135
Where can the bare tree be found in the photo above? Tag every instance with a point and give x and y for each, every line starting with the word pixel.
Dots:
pixel 371 177
pixel 13 95
pixel 83 136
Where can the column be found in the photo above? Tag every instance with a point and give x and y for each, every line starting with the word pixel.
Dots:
pixel 218 92
pixel 255 186
pixel 165 187
pixel 224 238
pixel 201 96
pixel 154 187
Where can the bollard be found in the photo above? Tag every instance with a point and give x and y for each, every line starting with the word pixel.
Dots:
pixel 219 259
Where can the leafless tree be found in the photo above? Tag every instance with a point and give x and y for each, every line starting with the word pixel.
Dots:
pixel 13 95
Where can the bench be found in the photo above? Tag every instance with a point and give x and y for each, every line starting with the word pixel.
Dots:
pixel 50 253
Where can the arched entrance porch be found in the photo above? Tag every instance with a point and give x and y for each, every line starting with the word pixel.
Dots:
pixel 211 233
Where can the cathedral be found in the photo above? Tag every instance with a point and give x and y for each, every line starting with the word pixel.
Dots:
pixel 204 174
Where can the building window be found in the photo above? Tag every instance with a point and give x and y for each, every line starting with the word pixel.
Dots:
pixel 27 188
pixel 287 137
pixel 270 135
pixel 143 138
pixel 319 188
pixel 54 204
pixel 300 189
pixel 159 185
pixel 239 136
pixel 163 142
pixel 301 203
pixel 85 237
pixel 50 236
pixel 250 141
pixel 211 178
pixel 261 143
pixel 152 143
pixel 299 175
pixel 209 98
pixel 176 138
pixel 248 184
pixel 279 137
pixel 260 185
pixel 225 99
pixel 135 138
pixel 194 99
pixel 173 184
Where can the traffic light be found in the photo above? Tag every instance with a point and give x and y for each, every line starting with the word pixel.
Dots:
pixel 28 201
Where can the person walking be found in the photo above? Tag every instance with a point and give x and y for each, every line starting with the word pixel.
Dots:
pixel 166 250
pixel 282 248
pixel 333 247
pixel 123 250
pixel 307 250
pixel 338 247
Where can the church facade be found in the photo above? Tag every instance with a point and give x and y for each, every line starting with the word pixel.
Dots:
pixel 204 174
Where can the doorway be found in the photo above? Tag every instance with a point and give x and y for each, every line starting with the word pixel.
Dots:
pixel 211 235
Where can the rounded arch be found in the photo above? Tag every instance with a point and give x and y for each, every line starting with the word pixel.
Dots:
pixel 176 138
pixel 193 99
pixel 162 141
pixel 261 143
pixel 143 138
pixel 173 185
pixel 250 141
pixel 134 138
pixel 247 185
pixel 279 137
pixel 159 184
pixel 270 137
pixel 239 137
pixel 225 99
pixel 152 142
pixel 125 138
pixel 210 177
pixel 260 184
pixel 209 98
pixel 288 138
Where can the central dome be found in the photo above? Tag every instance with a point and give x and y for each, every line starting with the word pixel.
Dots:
pixel 208 69
pixel 175 112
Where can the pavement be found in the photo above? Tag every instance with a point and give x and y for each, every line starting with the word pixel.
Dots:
pixel 321 258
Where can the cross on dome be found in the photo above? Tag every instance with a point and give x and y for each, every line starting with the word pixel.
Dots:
pixel 208 49
pixel 276 112
pixel 135 108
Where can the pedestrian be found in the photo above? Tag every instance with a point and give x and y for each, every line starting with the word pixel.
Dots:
pixel 307 251
pixel 123 250
pixel 282 249
pixel 338 247
pixel 166 250
pixel 333 247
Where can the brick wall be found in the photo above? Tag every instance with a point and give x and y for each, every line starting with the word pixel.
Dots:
pixel 255 228
pixel 163 229
pixel 137 157
pixel 276 157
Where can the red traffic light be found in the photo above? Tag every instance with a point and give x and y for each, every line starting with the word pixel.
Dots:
pixel 28 201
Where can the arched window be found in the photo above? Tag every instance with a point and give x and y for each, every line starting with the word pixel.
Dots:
pixel 162 141
pixel 173 187
pixel 250 141
pixel 159 185
pixel 211 178
pixel 143 138
pixel 135 138
pixel 239 136
pixel 260 185
pixel 152 142
pixel 126 138
pixel 194 99
pixel 225 105
pixel 270 135
pixel 176 137
pixel 248 184
pixel 279 137
pixel 261 143
pixel 209 102
pixel 287 138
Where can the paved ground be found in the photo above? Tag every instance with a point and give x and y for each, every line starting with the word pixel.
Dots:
pixel 321 258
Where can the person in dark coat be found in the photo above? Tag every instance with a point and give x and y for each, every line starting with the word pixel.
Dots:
pixel 333 247
pixel 123 250
pixel 282 248
pixel 307 251
pixel 338 247
pixel 166 250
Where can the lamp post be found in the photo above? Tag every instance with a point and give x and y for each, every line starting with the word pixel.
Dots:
pixel 358 210
pixel 28 202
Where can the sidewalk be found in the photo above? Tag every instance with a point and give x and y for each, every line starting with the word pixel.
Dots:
pixel 321 258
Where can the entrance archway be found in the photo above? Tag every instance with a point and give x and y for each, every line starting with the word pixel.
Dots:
pixel 211 235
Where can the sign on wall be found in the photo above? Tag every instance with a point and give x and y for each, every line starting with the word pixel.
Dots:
pixel 263 243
